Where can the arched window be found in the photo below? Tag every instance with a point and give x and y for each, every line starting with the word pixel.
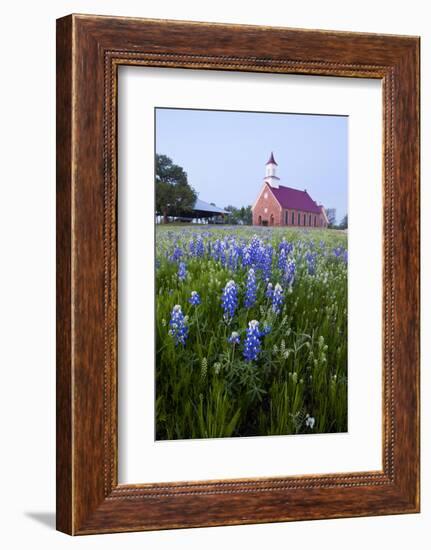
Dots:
pixel 293 218
pixel 286 217
pixel 299 218
pixel 260 220
pixel 315 221
pixel 271 220
pixel 309 220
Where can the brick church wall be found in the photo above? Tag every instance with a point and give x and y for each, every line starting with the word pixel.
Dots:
pixel 272 208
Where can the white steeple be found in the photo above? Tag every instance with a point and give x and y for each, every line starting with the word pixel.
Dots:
pixel 270 172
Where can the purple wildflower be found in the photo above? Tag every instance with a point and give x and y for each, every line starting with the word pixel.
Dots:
pixel 233 258
pixel 229 300
pixel 345 257
pixel 234 338
pixel 195 299
pixel 182 273
pixel 246 257
pixel 192 247
pixel 265 262
pixel 250 293
pixel 179 329
pixel 289 274
pixel 177 253
pixel 269 291
pixel 282 260
pixel 199 248
pixel 311 263
pixel 277 299
pixel 286 246
pixel 266 330
pixel 252 345
pixel 255 249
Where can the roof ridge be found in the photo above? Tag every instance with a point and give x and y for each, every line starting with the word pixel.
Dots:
pixel 297 199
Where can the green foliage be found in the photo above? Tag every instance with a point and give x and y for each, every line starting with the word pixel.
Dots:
pixel 174 195
pixel 239 216
pixel 344 223
pixel 298 384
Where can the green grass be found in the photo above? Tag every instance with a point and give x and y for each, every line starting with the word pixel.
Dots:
pixel 206 388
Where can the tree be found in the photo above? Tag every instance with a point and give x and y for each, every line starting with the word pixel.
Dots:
pixel 330 213
pixel 174 195
pixel 248 215
pixel 344 223
pixel 232 218
pixel 241 215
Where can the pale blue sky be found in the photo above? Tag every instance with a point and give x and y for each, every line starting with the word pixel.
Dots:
pixel 224 153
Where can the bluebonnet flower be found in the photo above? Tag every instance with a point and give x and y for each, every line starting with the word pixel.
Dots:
pixel 229 300
pixel 311 263
pixel 282 260
pixel 266 330
pixel 199 249
pixel 179 329
pixel 192 246
pixel 177 253
pixel 252 345
pixel 246 257
pixel 234 338
pixel 269 291
pixel 277 299
pixel 233 258
pixel 286 246
pixel 250 293
pixel 289 274
pixel 345 257
pixel 195 299
pixel 265 262
pixel 215 250
pixel 239 248
pixel 182 273
pixel 254 249
pixel 223 253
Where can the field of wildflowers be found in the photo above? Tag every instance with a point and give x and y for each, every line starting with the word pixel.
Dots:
pixel 251 331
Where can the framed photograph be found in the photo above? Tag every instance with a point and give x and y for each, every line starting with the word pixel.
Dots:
pixel 237 274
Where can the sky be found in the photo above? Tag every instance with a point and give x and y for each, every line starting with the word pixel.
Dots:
pixel 224 153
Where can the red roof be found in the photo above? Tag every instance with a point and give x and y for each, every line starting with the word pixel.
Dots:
pixel 295 199
pixel 272 159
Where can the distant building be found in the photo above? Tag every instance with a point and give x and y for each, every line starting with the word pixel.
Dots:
pixel 331 214
pixel 202 212
pixel 206 212
pixel 279 205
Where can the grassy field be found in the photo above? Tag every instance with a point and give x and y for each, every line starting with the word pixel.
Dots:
pixel 251 331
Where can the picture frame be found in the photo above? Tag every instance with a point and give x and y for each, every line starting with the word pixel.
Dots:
pixel 89 51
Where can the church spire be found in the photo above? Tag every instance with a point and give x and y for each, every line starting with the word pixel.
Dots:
pixel 272 159
pixel 270 172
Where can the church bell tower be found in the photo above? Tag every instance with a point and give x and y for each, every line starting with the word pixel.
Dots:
pixel 270 172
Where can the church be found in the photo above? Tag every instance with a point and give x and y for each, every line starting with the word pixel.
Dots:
pixel 278 205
